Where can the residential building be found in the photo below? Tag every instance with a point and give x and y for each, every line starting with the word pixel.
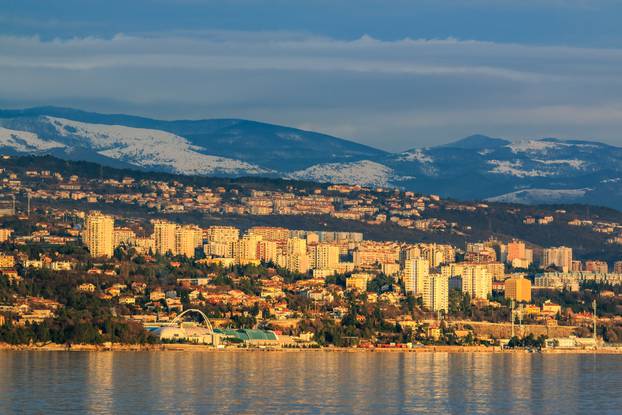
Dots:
pixel 164 234
pixel 518 289
pixel 187 239
pixel 436 292
pixel 5 234
pixel 99 234
pixel 358 281
pixel 324 256
pixel 560 257
pixel 246 249
pixel 267 250
pixel 597 267
pixel 123 236
pixel 415 273
pixel 7 261
pixel 477 281
pixel 223 234
pixel 518 255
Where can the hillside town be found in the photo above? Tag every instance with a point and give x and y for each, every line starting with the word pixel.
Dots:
pixel 52 184
pixel 77 273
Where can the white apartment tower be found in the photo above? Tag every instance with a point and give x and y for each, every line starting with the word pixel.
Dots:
pixel 436 292
pixel 477 281
pixel 560 257
pixel 415 272
pixel 99 234
pixel 164 236
pixel 187 239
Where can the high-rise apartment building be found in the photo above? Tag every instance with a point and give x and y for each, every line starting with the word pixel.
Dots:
pixel 247 248
pixel 123 236
pixel 598 267
pixel 5 234
pixel 164 234
pixel 187 239
pixel 436 292
pixel 324 256
pixel 222 234
pixel 296 246
pixel 270 233
pixel 273 234
pixel 99 234
pixel 518 254
pixel 518 289
pixel 560 257
pixel 297 263
pixel 267 251
pixel 516 250
pixel 476 281
pixel 415 272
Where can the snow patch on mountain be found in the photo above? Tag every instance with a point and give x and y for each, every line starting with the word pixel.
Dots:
pixel 574 163
pixel 425 160
pixel 290 136
pixel 25 141
pixel 515 168
pixel 149 148
pixel 534 146
pixel 364 172
pixel 416 155
pixel 533 196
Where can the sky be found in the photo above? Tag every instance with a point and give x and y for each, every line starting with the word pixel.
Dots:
pixel 393 74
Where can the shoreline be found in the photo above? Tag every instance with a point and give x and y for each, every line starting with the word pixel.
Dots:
pixel 52 347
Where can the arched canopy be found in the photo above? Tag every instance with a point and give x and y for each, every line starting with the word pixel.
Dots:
pixel 199 312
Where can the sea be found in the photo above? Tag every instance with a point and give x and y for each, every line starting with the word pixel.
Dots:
pixel 308 382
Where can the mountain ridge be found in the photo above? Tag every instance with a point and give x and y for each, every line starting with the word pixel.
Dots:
pixel 475 167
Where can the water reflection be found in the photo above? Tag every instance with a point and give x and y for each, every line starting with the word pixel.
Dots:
pixel 307 382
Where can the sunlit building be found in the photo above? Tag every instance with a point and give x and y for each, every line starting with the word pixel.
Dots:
pixel 518 289
pixel 187 239
pixel 476 281
pixel 222 234
pixel 164 236
pixel 358 281
pixel 560 257
pixel 99 234
pixel 123 236
pixel 415 273
pixel 436 292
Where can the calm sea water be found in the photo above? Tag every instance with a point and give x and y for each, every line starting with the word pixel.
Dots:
pixel 301 383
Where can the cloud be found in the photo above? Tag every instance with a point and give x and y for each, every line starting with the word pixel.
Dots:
pixel 291 52
pixel 394 94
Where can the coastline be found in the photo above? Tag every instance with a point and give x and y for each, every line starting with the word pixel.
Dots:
pixel 52 347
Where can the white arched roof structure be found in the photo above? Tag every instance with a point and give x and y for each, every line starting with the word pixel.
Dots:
pixel 206 321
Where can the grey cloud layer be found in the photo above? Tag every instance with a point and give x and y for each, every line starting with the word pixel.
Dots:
pixel 394 94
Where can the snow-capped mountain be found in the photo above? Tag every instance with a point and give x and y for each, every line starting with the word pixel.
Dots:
pixel 529 171
pixel 477 167
pixel 271 147
pixel 364 172
pixel 24 141
pixel 147 148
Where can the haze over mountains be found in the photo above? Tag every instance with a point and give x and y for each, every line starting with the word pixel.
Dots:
pixel 477 167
